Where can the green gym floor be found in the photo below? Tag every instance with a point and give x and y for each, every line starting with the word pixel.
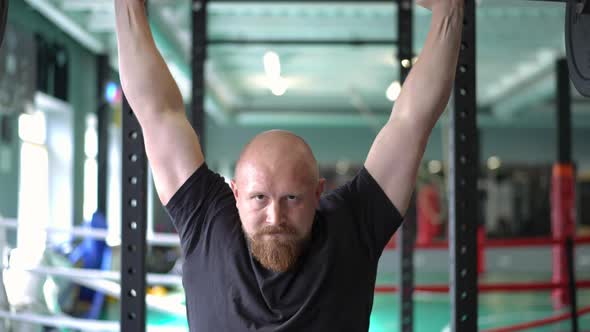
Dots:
pixel 432 311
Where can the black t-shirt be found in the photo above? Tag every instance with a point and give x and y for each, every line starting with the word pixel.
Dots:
pixel 332 285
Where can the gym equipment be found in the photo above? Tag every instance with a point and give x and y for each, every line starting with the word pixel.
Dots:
pixel 577 30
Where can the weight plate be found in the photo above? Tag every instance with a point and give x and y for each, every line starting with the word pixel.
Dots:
pixel 577 46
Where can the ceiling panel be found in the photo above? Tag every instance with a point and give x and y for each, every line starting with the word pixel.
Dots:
pixel 517 43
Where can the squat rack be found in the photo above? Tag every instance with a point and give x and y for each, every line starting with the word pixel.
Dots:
pixel 463 167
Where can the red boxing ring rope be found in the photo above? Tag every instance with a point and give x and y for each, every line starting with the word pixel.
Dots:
pixel 503 243
pixel 490 288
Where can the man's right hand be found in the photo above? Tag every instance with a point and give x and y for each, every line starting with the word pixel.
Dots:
pixel 172 145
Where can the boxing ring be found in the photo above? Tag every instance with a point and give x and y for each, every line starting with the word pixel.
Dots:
pixel 515 285
pixel 430 296
pixel 501 284
pixel 103 281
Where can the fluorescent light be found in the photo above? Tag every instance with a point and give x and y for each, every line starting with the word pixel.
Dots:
pixel 393 91
pixel 272 64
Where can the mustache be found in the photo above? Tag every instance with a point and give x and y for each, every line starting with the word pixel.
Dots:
pixel 271 230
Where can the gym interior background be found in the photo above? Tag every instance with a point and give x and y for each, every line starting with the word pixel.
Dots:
pixel 327 71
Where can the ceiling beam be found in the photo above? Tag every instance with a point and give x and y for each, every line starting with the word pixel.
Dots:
pixel 68 25
pixel 539 119
pixel 527 98
pixel 173 52
pixel 84 5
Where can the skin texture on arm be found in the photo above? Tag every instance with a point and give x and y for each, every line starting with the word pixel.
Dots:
pixel 172 146
pixel 395 155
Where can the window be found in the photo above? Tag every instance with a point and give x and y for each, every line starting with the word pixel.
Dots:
pixel 33 206
pixel 46 173
pixel 90 166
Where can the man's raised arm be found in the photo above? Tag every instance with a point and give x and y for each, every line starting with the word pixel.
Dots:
pixel 171 144
pixel 398 149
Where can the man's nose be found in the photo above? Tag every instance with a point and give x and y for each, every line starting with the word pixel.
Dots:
pixel 274 213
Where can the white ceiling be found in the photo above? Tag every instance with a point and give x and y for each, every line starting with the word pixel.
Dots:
pixel 517 45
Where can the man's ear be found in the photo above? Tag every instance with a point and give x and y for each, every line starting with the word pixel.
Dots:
pixel 234 188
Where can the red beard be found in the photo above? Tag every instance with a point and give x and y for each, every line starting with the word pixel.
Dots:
pixel 277 248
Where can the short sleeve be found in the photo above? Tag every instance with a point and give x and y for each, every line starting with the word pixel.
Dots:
pixel 374 214
pixel 196 204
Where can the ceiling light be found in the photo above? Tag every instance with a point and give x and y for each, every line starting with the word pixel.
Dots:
pixel 434 166
pixel 279 86
pixel 272 64
pixel 494 163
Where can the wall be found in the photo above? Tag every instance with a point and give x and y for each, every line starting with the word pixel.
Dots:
pixel 81 94
pixel 511 144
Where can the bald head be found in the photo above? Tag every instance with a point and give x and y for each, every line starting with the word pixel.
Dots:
pixel 277 190
pixel 278 149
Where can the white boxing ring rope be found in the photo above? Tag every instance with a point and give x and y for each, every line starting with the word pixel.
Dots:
pixel 87 278
pixel 62 321
pixel 78 323
pixel 99 280
pixel 112 288
pixel 159 239
pixel 153 302
pixel 90 274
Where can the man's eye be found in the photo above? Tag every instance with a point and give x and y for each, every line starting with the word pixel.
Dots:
pixel 259 197
pixel 291 197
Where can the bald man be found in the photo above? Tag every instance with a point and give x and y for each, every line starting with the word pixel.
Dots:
pixel 270 252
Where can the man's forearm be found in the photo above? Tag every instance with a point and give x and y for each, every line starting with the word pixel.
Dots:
pixel 146 80
pixel 427 89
